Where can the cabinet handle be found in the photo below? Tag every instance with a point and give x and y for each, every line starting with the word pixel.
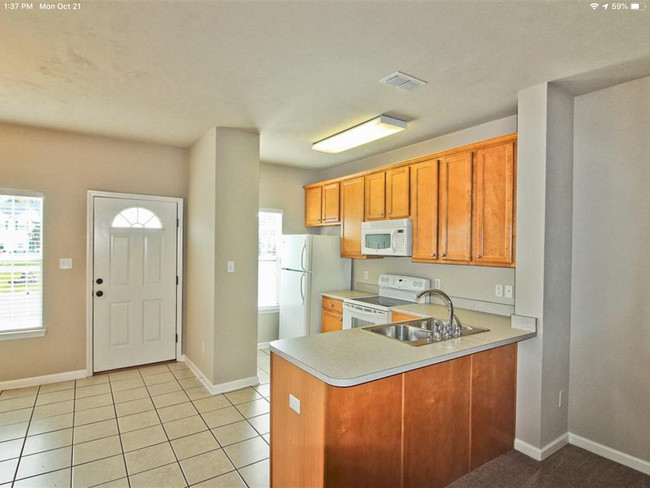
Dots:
pixel 444 254
pixel 478 256
pixel 433 254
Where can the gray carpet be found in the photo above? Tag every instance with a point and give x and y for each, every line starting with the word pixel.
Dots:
pixel 571 467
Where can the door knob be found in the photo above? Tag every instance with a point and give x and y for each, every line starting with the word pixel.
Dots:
pixel 99 293
pixel 99 281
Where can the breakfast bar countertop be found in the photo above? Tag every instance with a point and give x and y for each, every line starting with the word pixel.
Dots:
pixel 355 356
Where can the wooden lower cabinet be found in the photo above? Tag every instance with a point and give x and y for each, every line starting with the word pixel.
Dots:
pixel 397 316
pixel 426 427
pixel 332 315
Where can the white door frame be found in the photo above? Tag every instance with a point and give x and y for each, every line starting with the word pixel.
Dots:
pixel 90 259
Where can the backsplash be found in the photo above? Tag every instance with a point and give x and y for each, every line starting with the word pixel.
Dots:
pixel 470 282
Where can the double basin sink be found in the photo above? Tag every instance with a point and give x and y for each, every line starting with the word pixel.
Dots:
pixel 419 332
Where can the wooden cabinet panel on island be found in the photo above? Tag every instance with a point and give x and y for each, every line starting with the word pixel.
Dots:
pixel 494 193
pixel 397 316
pixel 397 193
pixel 425 427
pixel 455 200
pixel 424 210
pixel 352 203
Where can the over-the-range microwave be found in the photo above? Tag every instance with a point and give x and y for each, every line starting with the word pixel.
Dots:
pixel 387 237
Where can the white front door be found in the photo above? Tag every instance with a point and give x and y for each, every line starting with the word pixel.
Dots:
pixel 134 282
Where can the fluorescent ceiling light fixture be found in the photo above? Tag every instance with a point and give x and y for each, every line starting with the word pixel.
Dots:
pixel 369 131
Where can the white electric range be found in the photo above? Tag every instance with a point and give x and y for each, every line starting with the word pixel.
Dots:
pixel 394 290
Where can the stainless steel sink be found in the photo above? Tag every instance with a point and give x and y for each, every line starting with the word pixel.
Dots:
pixel 422 331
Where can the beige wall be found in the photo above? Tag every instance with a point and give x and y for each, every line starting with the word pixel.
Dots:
pixel 281 187
pixel 610 310
pixel 199 249
pixel 475 283
pixel 64 166
pixel 222 317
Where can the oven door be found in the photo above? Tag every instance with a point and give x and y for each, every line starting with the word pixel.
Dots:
pixel 360 316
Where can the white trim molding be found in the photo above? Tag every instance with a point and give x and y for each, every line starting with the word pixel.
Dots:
pixel 546 451
pixel 11 335
pixel 221 387
pixel 611 454
pixel 263 345
pixel 43 380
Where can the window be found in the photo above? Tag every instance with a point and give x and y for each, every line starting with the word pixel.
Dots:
pixel 136 218
pixel 268 256
pixel 21 262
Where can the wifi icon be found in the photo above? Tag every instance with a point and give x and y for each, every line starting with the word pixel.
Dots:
pixel 593 5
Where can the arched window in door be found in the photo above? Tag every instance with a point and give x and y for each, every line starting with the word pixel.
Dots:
pixel 136 218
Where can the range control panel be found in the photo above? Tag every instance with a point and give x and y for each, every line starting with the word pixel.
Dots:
pixel 406 283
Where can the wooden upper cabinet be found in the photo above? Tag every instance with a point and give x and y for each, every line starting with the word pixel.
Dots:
pixel 375 196
pixel 313 206
pixel 352 198
pixel 494 190
pixel 424 210
pixel 455 200
pixel 397 193
pixel 331 199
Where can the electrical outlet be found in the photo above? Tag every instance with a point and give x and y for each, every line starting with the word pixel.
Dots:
pixel 436 283
pixel 365 275
pixel 65 263
pixel 498 290
pixel 231 266
pixel 507 291
pixel 294 404
pixel 560 400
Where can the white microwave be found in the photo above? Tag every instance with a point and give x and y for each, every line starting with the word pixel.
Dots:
pixel 387 238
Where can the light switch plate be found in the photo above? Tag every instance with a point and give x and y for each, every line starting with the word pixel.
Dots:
pixel 507 291
pixel 498 290
pixel 231 267
pixel 65 263
pixel 294 404
pixel 436 283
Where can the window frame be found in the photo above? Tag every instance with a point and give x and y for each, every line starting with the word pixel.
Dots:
pixel 26 333
pixel 271 308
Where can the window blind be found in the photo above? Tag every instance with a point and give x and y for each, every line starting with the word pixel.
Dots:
pixel 21 262
pixel 268 254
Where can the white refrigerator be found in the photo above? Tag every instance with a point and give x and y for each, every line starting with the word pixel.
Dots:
pixel 311 264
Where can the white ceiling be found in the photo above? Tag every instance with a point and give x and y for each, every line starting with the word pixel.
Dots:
pixel 296 72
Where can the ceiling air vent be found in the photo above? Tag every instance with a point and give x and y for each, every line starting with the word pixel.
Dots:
pixel 403 81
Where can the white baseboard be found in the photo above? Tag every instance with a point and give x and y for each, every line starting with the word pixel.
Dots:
pixel 221 387
pixel 546 451
pixel 262 345
pixel 611 454
pixel 42 380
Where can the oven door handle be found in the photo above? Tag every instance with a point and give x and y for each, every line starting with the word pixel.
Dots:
pixel 357 310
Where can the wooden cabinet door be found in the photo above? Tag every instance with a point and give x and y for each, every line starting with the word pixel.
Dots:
pixel 397 193
pixel 494 380
pixel 375 195
pixel 397 316
pixel 436 423
pixel 352 198
pixel 331 203
pixel 363 435
pixel 313 209
pixel 424 210
pixel 455 200
pixel 331 321
pixel 494 185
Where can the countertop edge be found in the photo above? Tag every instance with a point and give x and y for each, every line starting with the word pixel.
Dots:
pixel 399 369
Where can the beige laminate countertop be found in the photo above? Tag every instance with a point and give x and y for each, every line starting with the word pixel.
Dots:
pixel 354 356
pixel 343 294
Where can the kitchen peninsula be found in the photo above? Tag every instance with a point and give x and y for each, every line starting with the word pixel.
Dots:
pixel 353 408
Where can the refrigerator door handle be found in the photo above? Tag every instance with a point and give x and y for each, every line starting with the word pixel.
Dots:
pixel 302 257
pixel 302 293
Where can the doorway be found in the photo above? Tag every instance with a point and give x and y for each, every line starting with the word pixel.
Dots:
pixel 134 280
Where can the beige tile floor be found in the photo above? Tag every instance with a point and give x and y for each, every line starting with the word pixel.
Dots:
pixel 149 427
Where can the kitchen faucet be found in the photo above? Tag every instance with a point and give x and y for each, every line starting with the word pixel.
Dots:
pixel 450 307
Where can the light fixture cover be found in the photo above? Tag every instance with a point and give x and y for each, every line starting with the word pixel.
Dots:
pixel 369 131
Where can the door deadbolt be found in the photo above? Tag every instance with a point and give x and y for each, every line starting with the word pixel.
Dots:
pixel 99 293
